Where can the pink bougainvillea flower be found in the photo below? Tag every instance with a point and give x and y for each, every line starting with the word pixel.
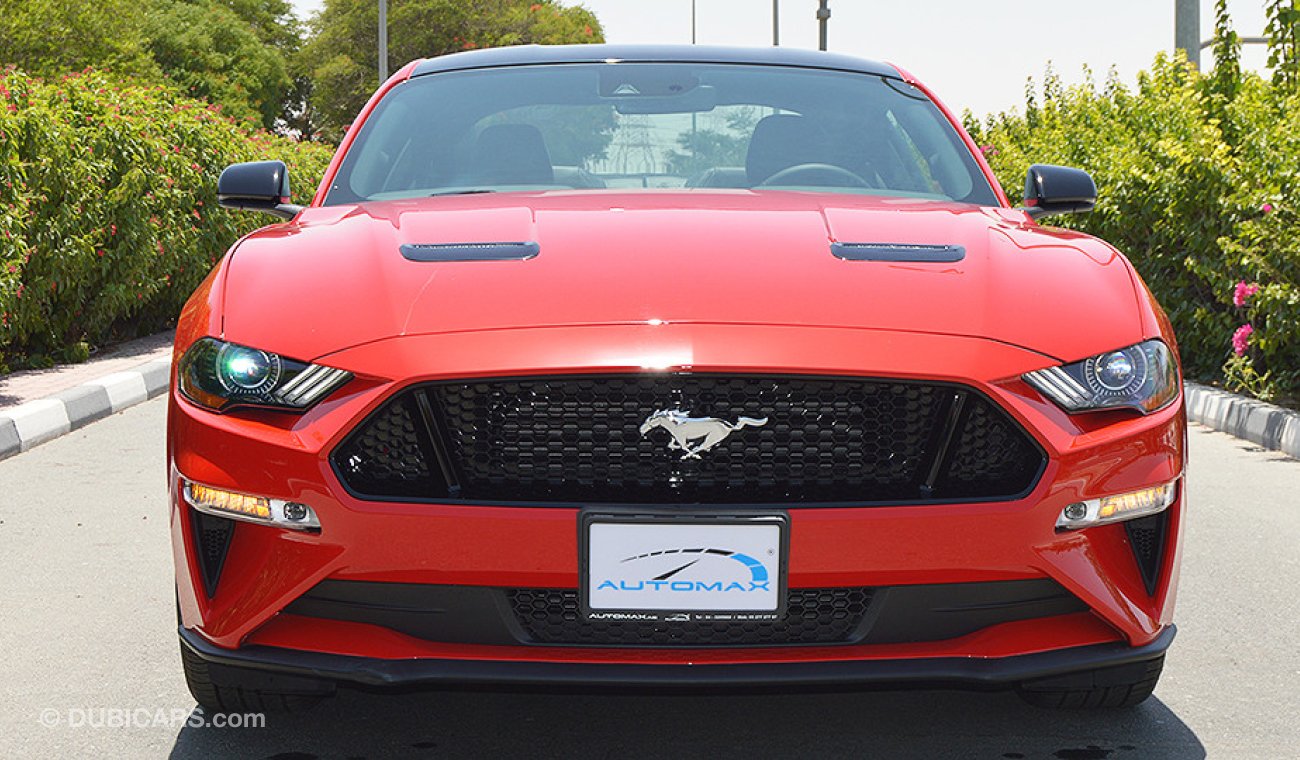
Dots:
pixel 1267 208
pixel 1243 292
pixel 1241 339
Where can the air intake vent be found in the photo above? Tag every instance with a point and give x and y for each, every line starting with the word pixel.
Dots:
pixel 1147 537
pixel 212 540
pixel 812 616
pixel 902 252
pixel 470 251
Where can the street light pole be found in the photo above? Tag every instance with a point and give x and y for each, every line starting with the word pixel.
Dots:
pixel 1187 29
pixel 776 23
pixel 823 15
pixel 383 41
pixel 692 22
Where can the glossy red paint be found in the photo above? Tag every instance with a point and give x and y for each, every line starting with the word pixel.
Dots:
pixel 700 257
pixel 653 281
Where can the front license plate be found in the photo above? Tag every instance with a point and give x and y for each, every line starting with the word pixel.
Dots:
pixel 658 567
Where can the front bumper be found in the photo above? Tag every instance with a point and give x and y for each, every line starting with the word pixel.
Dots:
pixel 965 672
pixel 504 546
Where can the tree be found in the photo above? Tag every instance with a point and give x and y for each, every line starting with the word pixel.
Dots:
pixel 229 52
pixel 272 20
pixel 1226 77
pixel 343 50
pixel 213 54
pixel 1284 42
pixel 48 38
pixel 1223 84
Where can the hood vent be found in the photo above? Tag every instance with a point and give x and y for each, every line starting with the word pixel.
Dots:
pixel 470 251
pixel 905 252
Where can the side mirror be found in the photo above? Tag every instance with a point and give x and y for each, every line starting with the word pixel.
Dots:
pixel 1058 190
pixel 257 186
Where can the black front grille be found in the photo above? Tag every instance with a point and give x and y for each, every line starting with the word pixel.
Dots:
pixel 578 439
pixel 812 616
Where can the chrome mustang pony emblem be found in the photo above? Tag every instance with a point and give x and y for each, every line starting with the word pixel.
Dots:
pixel 695 435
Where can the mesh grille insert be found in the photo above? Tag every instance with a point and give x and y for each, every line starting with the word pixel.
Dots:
pixel 990 455
pixel 813 616
pixel 212 537
pixel 1146 536
pixel 579 439
pixel 389 454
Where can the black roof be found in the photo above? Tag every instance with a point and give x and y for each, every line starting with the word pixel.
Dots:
pixel 522 55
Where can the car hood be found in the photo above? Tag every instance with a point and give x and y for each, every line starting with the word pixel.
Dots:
pixel 336 277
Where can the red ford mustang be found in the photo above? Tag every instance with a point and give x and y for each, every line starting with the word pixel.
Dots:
pixel 671 368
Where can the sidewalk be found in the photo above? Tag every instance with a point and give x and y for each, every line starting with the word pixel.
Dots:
pixel 32 384
pixel 39 405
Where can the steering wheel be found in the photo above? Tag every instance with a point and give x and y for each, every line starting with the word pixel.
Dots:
pixel 815 175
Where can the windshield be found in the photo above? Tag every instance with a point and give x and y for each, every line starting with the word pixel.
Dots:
pixel 657 125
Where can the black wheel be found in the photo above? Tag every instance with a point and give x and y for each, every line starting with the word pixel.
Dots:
pixel 226 689
pixel 1120 686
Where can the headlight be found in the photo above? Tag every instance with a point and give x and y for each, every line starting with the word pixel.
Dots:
pixel 1142 377
pixel 219 375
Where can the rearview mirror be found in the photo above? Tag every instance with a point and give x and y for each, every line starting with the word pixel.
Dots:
pixel 257 186
pixel 698 100
pixel 1058 190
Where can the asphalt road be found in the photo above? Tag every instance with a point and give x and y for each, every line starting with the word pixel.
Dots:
pixel 87 630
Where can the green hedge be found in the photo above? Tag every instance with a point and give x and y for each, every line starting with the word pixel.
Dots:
pixel 108 208
pixel 1201 190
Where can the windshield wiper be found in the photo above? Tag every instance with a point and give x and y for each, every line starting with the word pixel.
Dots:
pixel 466 191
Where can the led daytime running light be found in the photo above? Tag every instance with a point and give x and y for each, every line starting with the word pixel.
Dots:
pixel 249 508
pixel 1125 506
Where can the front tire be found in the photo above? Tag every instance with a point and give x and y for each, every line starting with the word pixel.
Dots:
pixel 225 689
pixel 1119 686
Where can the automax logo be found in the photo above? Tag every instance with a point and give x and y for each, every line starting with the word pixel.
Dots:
pixel 759 577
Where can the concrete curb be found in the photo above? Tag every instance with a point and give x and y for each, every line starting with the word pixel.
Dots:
pixel 36 422
pixel 1270 426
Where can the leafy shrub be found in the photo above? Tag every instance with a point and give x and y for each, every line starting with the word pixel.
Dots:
pixel 1199 185
pixel 108 208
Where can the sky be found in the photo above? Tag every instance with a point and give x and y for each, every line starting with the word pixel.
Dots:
pixel 974 55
